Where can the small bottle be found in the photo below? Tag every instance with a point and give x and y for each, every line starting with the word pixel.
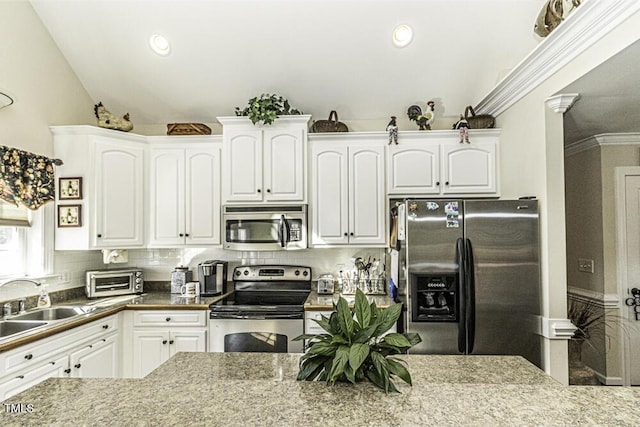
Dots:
pixel 44 300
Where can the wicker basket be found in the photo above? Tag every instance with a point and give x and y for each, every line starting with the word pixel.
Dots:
pixel 188 129
pixel 482 121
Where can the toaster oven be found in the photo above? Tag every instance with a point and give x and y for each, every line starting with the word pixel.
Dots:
pixel 107 283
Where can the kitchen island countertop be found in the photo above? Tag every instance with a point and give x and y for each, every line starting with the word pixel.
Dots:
pixel 257 389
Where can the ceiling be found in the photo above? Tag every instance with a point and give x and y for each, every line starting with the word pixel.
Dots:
pixel 609 98
pixel 320 54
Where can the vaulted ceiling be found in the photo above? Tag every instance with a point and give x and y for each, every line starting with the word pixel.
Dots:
pixel 320 54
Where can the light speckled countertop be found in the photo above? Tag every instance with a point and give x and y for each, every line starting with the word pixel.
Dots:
pixel 317 302
pixel 257 389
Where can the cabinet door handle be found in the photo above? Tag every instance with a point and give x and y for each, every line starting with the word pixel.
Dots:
pixel 259 190
pixel 437 183
pixel 351 234
pixel 346 234
pixel 53 363
pixel 171 342
pixel 77 365
pixel 186 234
pixel 168 319
pixel 67 371
pixel 446 183
pixel 181 235
pixel 268 190
pixel 105 326
pixel 20 377
pixel 164 341
pixel 99 236
pixel 28 356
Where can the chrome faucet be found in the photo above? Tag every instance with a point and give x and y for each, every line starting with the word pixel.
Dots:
pixel 20 280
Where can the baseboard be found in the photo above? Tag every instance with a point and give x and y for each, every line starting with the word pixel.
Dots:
pixel 608 380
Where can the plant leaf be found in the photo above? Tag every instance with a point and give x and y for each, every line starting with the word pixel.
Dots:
pixel 345 317
pixel 358 354
pixel 364 335
pixel 340 360
pixel 388 317
pixel 322 348
pixel 413 338
pixel 349 374
pixel 397 340
pixel 309 369
pixel 397 368
pixel 380 363
pixel 339 339
pixel 363 312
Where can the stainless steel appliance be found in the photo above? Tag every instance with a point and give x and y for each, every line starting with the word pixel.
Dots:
pixel 265 312
pixel 212 276
pixel 469 274
pixel 107 283
pixel 325 284
pixel 265 228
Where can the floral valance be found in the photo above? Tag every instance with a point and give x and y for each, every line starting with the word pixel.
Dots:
pixel 25 178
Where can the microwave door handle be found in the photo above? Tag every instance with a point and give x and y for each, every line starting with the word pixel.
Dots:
pixel 281 231
pixel 287 227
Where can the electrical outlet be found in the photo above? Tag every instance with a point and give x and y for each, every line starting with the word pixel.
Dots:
pixel 585 265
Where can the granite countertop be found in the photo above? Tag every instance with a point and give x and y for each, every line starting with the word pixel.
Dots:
pixel 317 302
pixel 258 389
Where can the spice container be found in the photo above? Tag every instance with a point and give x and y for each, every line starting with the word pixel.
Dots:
pixel 179 277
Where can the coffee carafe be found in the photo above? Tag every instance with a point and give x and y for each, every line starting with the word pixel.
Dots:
pixel 212 275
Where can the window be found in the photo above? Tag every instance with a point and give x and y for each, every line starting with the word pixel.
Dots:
pixel 25 241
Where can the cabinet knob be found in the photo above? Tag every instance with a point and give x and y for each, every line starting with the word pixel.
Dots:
pixel 351 234
pixel 20 377
pixel 346 234
pixel 268 190
pixel 53 363
pixel 181 235
pixel 105 326
pixel 68 370
pixel 168 319
pixel 259 190
pixel 164 341
pixel 77 366
pixel 28 356
pixel 171 342
pixel 99 236
pixel 186 234
pixel 446 183
pixel 437 183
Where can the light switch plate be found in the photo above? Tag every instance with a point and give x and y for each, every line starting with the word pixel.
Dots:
pixel 585 265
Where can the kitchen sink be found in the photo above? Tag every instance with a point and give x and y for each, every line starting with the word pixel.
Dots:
pixel 9 327
pixel 54 313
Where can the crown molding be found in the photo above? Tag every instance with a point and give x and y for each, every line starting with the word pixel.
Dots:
pixel 562 102
pixel 585 26
pixel 604 139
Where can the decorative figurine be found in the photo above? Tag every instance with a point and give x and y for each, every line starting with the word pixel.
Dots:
pixel 463 126
pixel 392 128
pixel 109 121
pixel 425 120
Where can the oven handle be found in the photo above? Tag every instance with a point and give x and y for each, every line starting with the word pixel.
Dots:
pixel 255 316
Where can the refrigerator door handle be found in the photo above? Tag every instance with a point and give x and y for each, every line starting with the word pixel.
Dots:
pixel 471 295
pixel 462 304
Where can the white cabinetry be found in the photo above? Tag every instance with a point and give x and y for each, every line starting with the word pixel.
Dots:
pixel 158 335
pixel 435 163
pixel 347 186
pixel 184 199
pixel 91 350
pixel 264 164
pixel 111 165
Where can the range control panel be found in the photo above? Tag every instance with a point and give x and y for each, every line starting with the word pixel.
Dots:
pixel 265 273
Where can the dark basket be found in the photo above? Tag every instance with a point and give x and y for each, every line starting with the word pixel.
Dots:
pixel 481 121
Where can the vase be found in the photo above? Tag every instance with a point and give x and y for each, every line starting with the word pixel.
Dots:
pixel 575 352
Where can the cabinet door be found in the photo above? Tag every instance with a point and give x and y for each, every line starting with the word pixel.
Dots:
pixel 187 340
pixel 119 203
pixel 366 195
pixel 284 165
pixel 202 198
pixel 166 200
pixel 150 350
pixel 22 381
pixel 469 169
pixel 330 211
pixel 96 360
pixel 242 166
pixel 413 169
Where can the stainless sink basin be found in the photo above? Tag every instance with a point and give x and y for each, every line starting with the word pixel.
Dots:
pixel 53 313
pixel 8 328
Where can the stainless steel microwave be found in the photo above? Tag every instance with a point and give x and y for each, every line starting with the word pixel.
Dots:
pixel 108 283
pixel 265 227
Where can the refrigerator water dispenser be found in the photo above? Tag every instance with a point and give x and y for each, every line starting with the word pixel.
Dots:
pixel 435 298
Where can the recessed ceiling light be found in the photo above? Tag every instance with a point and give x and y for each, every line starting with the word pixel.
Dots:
pixel 402 35
pixel 159 44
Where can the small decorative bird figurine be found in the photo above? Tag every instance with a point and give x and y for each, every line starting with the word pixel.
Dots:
pixel 392 128
pixel 109 121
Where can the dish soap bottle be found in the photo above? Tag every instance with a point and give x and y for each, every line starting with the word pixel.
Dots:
pixel 44 300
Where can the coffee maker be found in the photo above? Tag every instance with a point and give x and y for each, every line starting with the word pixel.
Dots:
pixel 212 275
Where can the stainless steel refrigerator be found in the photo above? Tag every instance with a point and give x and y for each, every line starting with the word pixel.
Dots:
pixel 469 273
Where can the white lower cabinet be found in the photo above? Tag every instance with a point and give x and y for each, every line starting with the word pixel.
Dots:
pixel 86 351
pixel 155 336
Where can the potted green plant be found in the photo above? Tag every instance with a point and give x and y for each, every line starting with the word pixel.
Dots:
pixel 355 346
pixel 266 108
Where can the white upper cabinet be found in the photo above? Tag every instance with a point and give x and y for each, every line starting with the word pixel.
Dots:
pixel 111 165
pixel 434 163
pixel 184 193
pixel 347 191
pixel 264 164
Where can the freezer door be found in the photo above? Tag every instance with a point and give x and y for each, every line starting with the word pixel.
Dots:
pixel 432 229
pixel 504 238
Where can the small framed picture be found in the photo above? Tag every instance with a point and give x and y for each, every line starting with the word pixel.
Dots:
pixel 69 215
pixel 70 188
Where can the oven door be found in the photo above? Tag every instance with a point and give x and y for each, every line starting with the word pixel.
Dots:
pixel 267 228
pixel 255 335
